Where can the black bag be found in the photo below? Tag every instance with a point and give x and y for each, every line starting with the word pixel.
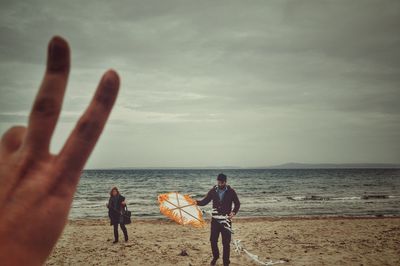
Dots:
pixel 126 215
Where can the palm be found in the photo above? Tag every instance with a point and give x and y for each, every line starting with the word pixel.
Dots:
pixel 36 187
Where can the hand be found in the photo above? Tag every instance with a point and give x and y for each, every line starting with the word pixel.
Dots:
pixel 231 215
pixel 37 187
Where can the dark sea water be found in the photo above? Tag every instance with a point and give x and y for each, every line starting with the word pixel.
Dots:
pixel 272 192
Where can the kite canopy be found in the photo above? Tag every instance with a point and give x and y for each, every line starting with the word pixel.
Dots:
pixel 181 208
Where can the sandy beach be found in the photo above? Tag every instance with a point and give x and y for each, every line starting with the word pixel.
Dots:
pixel 299 241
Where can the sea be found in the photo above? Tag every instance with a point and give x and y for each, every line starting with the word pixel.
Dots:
pixel 262 192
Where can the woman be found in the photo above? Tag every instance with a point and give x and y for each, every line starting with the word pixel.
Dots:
pixel 115 206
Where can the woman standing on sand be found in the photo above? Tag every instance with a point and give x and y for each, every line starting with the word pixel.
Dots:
pixel 115 206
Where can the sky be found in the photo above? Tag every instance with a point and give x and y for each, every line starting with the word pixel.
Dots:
pixel 217 83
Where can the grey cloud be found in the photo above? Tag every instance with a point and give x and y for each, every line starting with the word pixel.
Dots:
pixel 244 77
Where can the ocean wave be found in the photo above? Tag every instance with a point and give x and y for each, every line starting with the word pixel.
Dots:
pixel 346 198
pixel 374 197
pixel 304 198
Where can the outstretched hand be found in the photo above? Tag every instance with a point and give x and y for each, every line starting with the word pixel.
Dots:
pixel 37 187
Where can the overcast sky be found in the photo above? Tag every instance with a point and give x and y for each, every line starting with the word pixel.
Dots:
pixel 217 83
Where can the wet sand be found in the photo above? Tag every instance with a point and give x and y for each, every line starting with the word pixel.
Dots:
pixel 299 241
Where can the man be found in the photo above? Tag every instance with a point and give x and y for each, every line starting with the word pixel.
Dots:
pixel 222 197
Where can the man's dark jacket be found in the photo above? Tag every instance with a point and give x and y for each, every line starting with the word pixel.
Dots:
pixel 223 207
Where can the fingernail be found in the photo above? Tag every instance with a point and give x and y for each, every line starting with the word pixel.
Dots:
pixel 109 89
pixel 58 59
pixel 111 78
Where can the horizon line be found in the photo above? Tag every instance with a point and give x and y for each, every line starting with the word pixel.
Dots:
pixel 279 166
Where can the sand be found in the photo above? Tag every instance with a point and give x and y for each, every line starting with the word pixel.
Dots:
pixel 299 241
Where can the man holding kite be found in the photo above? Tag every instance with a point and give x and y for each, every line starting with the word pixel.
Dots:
pixel 222 196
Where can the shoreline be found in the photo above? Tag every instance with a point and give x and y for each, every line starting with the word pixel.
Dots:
pixel 254 218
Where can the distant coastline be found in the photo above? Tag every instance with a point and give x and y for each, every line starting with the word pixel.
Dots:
pixel 335 166
pixel 280 166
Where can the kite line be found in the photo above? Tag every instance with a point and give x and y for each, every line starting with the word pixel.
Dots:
pixel 239 248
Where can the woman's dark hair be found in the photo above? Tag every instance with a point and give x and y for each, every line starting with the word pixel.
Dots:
pixel 114 188
pixel 221 177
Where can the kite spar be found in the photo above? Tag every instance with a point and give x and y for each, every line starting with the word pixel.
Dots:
pixel 181 208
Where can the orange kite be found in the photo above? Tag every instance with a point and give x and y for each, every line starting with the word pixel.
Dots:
pixel 181 208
